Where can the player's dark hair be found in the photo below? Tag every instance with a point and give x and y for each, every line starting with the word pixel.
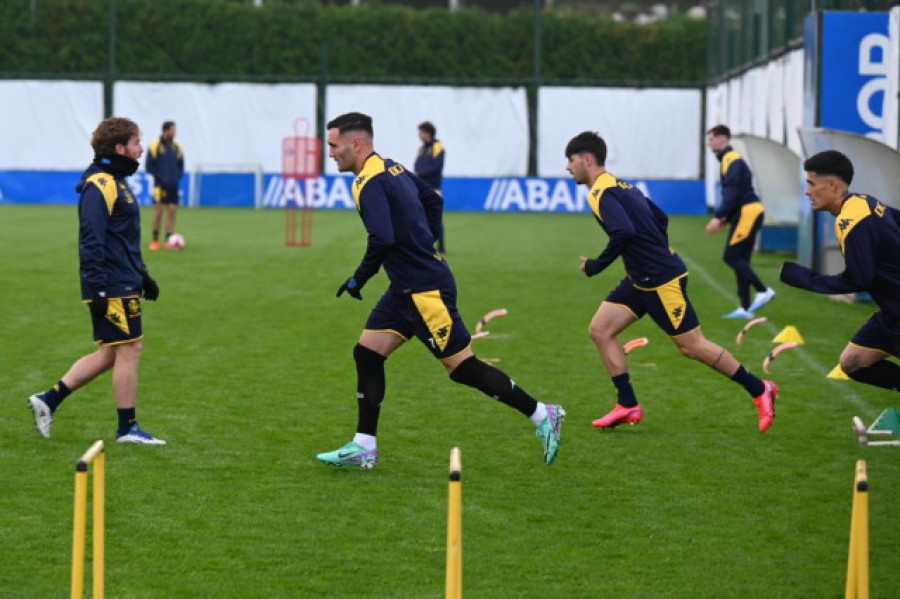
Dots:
pixel 111 132
pixel 168 125
pixel 588 142
pixel 830 162
pixel 428 128
pixel 720 130
pixel 352 121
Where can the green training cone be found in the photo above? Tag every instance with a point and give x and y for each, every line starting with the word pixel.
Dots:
pixel 888 422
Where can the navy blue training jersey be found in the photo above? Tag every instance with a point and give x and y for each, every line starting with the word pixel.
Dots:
pixel 869 235
pixel 109 235
pixel 737 185
pixel 402 215
pixel 637 232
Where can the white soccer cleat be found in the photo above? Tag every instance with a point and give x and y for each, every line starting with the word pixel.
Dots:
pixel 761 299
pixel 43 415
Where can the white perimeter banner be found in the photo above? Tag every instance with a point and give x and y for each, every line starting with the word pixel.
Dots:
pixel 225 124
pixel 650 133
pixel 47 125
pixel 484 130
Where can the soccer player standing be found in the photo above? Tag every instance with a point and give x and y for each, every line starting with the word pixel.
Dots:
pixel 165 161
pixel 655 284
pixel 429 165
pixel 869 236
pixel 113 277
pixel 402 216
pixel 741 207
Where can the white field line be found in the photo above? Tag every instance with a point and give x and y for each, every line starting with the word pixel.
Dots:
pixel 810 361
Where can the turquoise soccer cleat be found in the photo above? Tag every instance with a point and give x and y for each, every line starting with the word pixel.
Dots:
pixel 549 431
pixel 351 454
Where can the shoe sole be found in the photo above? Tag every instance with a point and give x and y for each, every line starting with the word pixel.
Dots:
pixel 139 441
pixel 627 420
pixel 360 465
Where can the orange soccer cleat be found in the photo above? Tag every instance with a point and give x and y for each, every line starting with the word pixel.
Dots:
pixel 154 245
pixel 620 415
pixel 765 405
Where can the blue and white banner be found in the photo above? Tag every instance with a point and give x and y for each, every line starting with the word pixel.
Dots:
pixel 505 194
pixel 333 192
pixel 854 72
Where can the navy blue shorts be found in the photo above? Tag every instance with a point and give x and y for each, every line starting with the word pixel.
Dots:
pixel 668 305
pixel 429 315
pixel 876 334
pixel 122 323
pixel 165 194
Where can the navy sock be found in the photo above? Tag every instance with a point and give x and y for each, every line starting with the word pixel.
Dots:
pixel 882 374
pixel 370 388
pixel 56 395
pixel 748 381
pixel 494 383
pixel 625 391
pixel 127 417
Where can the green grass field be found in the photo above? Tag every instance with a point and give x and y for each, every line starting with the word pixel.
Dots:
pixel 247 372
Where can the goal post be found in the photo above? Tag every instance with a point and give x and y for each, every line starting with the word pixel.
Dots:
pixel 301 156
pixel 226 184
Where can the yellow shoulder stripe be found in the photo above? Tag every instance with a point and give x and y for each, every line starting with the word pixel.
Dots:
pixel 437 149
pixel 603 182
pixel 727 159
pixel 854 210
pixel 374 166
pixel 106 183
pixel 154 147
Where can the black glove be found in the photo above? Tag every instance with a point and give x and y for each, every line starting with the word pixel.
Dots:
pixel 591 267
pixel 351 287
pixel 151 289
pixel 99 304
pixel 791 273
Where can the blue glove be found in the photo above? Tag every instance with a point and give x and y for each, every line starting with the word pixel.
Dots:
pixel 351 287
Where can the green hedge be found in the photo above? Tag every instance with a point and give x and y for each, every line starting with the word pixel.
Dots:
pixel 212 38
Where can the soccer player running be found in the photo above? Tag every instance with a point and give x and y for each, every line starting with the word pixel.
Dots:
pixel 402 216
pixel 655 284
pixel 113 277
pixel 741 207
pixel 869 236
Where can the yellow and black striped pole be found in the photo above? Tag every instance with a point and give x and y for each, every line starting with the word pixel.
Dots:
pixel 95 455
pixel 454 527
pixel 858 560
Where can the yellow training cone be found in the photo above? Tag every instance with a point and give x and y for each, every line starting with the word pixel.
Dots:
pixel 837 373
pixel 789 334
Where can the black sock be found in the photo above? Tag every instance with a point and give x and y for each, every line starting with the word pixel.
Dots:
pixel 156 235
pixel 56 395
pixel 127 417
pixel 370 387
pixel 754 386
pixel 884 374
pixel 495 383
pixel 626 395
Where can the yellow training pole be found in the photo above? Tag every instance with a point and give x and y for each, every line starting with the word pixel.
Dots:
pixel 79 534
pixel 79 529
pixel 858 559
pixel 99 523
pixel 454 527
